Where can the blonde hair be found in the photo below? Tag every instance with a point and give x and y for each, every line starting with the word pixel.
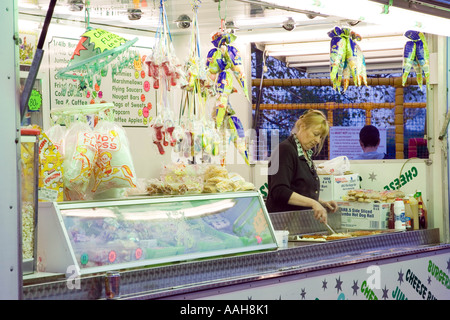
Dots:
pixel 312 118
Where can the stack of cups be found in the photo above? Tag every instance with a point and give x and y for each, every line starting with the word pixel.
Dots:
pixel 282 238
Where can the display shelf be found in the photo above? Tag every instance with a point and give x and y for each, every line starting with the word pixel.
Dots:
pixel 120 234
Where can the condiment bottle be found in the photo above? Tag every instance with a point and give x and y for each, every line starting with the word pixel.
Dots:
pixel 422 221
pixel 391 217
pixel 399 211
pixel 415 212
pixel 423 216
pixel 408 215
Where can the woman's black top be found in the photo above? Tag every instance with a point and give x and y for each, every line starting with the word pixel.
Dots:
pixel 290 171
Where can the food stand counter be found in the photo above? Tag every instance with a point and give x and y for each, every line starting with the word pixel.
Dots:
pixel 396 262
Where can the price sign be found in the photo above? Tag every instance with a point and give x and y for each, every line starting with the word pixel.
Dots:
pixel 35 101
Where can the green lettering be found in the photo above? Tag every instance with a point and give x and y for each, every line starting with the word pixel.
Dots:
pixel 408 175
pixel 414 172
pixel 402 180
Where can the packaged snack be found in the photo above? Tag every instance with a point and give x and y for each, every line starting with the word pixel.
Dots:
pixel 51 186
pixel 56 134
pixel 113 167
pixel 81 149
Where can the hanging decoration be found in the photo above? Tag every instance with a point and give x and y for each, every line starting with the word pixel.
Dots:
pixel 165 72
pixel 224 65
pixel 416 55
pixel 346 58
pixel 224 62
pixel 200 138
pixel 95 51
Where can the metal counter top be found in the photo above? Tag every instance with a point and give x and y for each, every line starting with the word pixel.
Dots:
pixel 190 276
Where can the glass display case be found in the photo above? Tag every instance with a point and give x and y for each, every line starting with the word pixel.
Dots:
pixel 119 234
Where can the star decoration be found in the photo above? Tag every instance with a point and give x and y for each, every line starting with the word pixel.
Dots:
pixel 339 284
pixel 355 287
pixel 429 280
pixel 385 292
pixel 303 294
pixel 372 176
pixel 324 284
pixel 79 47
pixel 400 277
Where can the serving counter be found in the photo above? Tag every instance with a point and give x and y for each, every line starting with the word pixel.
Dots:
pixel 389 265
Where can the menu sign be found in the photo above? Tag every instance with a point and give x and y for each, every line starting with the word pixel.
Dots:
pixel 344 141
pixel 128 90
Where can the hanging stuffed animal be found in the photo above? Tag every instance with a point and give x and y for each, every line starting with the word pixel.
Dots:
pixel 346 59
pixel 416 55
pixel 165 71
pixel 225 62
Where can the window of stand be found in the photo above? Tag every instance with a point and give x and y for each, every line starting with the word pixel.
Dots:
pixel 281 106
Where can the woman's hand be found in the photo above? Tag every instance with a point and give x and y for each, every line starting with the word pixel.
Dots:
pixel 331 205
pixel 320 213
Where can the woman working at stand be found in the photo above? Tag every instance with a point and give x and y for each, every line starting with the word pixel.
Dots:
pixel 293 181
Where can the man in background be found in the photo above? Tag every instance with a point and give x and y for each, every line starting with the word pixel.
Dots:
pixel 369 139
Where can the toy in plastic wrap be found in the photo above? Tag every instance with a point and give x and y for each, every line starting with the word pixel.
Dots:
pixel 163 65
pixel 238 136
pixel 346 59
pixel 165 71
pixel 416 55
pixel 225 62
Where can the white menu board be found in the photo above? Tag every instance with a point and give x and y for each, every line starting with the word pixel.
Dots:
pixel 344 141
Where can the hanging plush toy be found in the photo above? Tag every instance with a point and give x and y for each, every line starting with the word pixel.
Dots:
pixel 346 59
pixel 224 62
pixel 416 55
pixel 165 71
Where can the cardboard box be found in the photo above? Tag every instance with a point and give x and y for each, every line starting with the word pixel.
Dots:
pixel 334 187
pixel 363 215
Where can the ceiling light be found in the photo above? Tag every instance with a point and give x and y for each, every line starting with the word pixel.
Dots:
pixel 134 14
pixel 229 25
pixel 372 12
pixel 289 24
pixel 76 5
pixel 183 21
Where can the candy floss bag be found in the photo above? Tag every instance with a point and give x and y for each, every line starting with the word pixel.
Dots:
pixel 114 166
pixel 80 154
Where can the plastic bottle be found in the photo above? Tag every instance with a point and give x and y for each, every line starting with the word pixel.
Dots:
pixel 399 211
pixel 391 217
pixel 408 215
pixel 415 212
pixel 423 215
pixel 422 221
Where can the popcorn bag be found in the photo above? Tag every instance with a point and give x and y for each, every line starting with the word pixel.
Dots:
pixel 113 167
pixel 56 134
pixel 50 170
